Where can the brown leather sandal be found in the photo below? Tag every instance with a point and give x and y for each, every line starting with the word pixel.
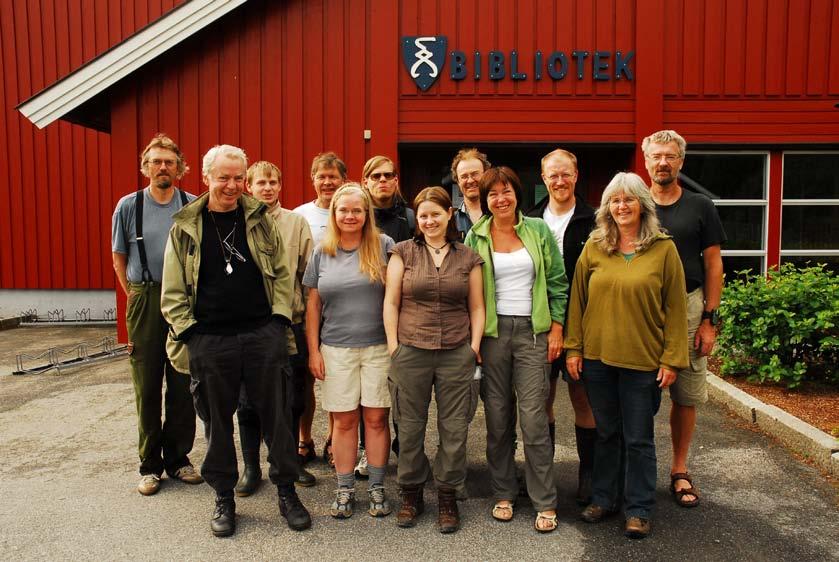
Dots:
pixel 679 495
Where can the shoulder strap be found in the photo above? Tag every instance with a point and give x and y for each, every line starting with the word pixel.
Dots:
pixel 184 200
pixel 139 198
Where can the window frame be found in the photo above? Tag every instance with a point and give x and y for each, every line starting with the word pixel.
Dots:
pixel 763 253
pixel 798 202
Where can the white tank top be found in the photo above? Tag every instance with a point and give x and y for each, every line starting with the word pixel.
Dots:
pixel 514 276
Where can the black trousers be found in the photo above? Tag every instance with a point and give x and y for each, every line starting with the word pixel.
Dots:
pixel 250 427
pixel 219 367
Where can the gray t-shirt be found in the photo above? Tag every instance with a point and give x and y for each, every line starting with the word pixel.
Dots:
pixel 157 220
pixel 351 304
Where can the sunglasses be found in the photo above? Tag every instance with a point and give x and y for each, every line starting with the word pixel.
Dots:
pixel 376 176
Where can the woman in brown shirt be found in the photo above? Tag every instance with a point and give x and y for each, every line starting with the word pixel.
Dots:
pixel 434 320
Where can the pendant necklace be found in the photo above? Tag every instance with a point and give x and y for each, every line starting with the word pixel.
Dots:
pixel 228 268
pixel 436 249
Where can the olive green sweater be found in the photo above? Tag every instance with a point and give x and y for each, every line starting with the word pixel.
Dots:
pixel 630 314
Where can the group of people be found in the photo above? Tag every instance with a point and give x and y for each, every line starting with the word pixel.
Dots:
pixel 243 305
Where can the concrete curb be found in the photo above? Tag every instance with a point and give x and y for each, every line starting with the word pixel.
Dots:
pixel 791 431
pixel 9 323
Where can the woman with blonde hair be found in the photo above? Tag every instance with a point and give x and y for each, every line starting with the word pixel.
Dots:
pixel 347 344
pixel 626 340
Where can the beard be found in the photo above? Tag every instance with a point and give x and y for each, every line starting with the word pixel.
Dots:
pixel 163 182
pixel 665 180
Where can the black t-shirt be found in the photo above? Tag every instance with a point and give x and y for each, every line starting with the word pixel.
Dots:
pixel 694 224
pixel 228 303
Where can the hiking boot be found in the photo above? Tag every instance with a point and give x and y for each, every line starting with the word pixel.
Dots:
pixel 595 513
pixel 637 528
pixel 412 506
pixel 343 504
pixel 448 518
pixel 379 506
pixel 295 513
pixel 223 523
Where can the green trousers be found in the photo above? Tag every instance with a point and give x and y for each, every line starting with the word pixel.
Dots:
pixel 162 444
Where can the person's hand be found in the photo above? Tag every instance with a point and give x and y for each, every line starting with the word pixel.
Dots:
pixel 477 351
pixel 666 377
pixel 391 347
pixel 705 338
pixel 574 366
pixel 555 342
pixel 316 366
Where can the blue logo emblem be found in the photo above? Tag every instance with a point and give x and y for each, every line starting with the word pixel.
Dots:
pixel 424 58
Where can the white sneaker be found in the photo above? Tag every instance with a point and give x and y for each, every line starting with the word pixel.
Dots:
pixel 361 468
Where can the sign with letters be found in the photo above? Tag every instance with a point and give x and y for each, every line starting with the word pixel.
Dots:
pixel 425 57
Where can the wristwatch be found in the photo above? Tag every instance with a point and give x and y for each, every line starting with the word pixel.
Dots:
pixel 712 315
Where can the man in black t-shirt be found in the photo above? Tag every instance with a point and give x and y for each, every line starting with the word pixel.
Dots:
pixel 227 295
pixel 696 228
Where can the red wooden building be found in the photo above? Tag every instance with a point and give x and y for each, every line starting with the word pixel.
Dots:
pixel 753 85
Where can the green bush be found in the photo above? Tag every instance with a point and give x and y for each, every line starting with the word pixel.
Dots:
pixel 783 327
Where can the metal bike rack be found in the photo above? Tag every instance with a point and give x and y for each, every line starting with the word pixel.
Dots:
pixel 59 358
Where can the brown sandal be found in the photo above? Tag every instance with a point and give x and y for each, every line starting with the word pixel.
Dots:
pixel 328 456
pixel 309 453
pixel 679 495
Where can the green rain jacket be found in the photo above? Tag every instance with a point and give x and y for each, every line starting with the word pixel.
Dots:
pixel 182 261
pixel 550 286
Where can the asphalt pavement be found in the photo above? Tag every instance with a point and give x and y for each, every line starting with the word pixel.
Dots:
pixel 68 483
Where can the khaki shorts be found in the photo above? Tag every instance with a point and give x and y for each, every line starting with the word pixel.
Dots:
pixel 691 386
pixel 355 375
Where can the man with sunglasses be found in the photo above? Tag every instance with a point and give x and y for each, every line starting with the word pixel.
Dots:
pixel 140 225
pixel 393 216
pixel 693 222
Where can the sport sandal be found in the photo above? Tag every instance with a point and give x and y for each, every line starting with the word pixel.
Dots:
pixel 503 510
pixel 545 523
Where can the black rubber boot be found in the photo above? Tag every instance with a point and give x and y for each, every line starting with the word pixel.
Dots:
pixel 223 523
pixel 249 437
pixel 586 439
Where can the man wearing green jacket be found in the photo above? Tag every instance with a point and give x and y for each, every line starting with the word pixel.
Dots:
pixel 227 295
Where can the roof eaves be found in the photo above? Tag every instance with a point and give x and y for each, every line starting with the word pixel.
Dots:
pixel 93 78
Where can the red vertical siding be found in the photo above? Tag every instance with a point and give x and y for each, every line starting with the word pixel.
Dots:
pixel 56 206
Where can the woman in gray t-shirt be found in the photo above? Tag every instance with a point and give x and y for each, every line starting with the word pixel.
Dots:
pixel 347 343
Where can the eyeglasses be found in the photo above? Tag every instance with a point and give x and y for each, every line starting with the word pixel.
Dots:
pixel 554 178
pixel 473 176
pixel 157 162
pixel 669 158
pixel 617 201
pixel 376 176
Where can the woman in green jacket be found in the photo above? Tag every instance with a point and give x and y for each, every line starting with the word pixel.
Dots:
pixel 524 290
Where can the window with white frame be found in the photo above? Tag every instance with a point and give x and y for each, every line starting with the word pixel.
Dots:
pixel 737 182
pixel 810 208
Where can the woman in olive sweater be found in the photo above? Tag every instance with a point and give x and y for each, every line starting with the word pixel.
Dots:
pixel 626 339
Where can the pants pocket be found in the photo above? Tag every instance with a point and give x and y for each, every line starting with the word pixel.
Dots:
pixel 393 389
pixel 195 389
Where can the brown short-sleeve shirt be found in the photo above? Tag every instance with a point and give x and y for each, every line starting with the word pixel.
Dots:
pixel 434 312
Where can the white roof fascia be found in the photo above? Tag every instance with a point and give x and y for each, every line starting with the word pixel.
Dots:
pixel 115 64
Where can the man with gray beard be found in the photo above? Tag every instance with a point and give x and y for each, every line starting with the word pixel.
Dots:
pixel 140 226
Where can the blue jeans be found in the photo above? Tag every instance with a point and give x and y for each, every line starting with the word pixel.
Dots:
pixel 623 401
